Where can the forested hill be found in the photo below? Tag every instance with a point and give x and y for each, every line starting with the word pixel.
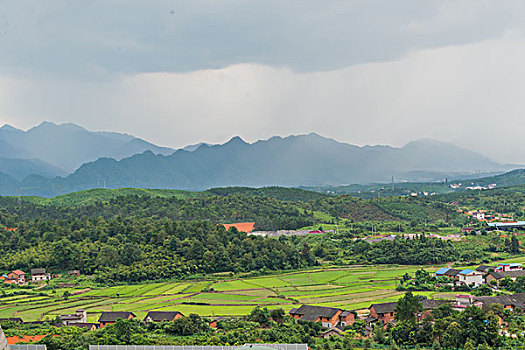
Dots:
pixel 268 210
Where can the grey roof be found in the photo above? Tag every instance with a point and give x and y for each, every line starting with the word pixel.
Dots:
pixel 83 325
pixel 39 271
pixel 345 313
pixel 485 268
pixel 502 274
pixel 113 316
pixel 514 300
pixel 159 316
pixel 430 304
pixel 312 313
pixel 70 317
pixel 384 307
pixel 452 272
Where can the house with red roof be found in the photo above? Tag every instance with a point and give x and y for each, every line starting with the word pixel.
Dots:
pixel 17 276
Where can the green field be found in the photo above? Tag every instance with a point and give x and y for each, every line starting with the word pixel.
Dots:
pixel 349 288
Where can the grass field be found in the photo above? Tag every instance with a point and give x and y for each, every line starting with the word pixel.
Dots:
pixel 351 288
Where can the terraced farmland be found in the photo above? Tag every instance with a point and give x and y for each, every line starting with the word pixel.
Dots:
pixel 349 288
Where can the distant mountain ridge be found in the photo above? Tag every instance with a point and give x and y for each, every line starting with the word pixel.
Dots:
pixel 68 146
pixel 302 160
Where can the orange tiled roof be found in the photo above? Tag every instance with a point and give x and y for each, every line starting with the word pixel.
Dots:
pixel 241 226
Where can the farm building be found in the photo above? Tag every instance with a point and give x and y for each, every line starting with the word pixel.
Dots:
pixel 383 312
pixel 162 316
pixel 471 277
pixel 79 317
pixel 506 267
pixel 38 275
pixel 112 317
pixel 328 316
pixel 16 277
pixel 500 275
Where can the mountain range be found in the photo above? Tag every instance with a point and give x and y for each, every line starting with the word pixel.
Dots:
pixel 61 149
pixel 43 161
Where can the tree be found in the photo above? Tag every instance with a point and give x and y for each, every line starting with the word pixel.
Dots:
pixel 469 345
pixel 407 307
pixel 436 345
pixel 277 315
pixel 452 338
pixel 514 245
pixel 259 315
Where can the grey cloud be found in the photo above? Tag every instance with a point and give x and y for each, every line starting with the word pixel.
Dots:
pixel 99 38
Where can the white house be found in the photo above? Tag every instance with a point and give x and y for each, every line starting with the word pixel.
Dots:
pixel 38 275
pixel 471 277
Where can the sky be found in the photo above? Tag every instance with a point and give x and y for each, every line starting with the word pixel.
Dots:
pixel 182 72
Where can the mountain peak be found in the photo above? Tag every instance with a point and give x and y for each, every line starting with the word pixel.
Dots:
pixel 236 140
pixel 72 127
pixel 7 127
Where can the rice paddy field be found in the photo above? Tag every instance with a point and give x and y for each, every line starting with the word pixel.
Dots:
pixel 349 288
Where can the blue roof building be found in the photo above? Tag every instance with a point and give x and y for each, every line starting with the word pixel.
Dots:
pixel 441 271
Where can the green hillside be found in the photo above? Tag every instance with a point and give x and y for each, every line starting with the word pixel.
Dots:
pixel 280 193
pixel 91 196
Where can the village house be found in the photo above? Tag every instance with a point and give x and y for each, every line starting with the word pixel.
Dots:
pixel 74 273
pixel 112 317
pixel 162 316
pixel 328 316
pixel 485 268
pixel 498 276
pixel 16 277
pixel 332 332
pixel 441 272
pixel 429 305
pixel 452 274
pixel 87 325
pixel 471 278
pixel 506 267
pixel 383 312
pixel 39 275
pixel 215 321
pixel 507 301
pixel 463 301
pixel 79 317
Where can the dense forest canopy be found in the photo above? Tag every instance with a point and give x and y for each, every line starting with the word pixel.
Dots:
pixel 139 237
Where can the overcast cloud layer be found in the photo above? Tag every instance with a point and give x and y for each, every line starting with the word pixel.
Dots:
pixel 181 72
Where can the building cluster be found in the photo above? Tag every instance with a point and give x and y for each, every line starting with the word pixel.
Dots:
pixel 37 275
pixel 483 274
pixel 20 277
pixel 335 320
pixel 487 216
